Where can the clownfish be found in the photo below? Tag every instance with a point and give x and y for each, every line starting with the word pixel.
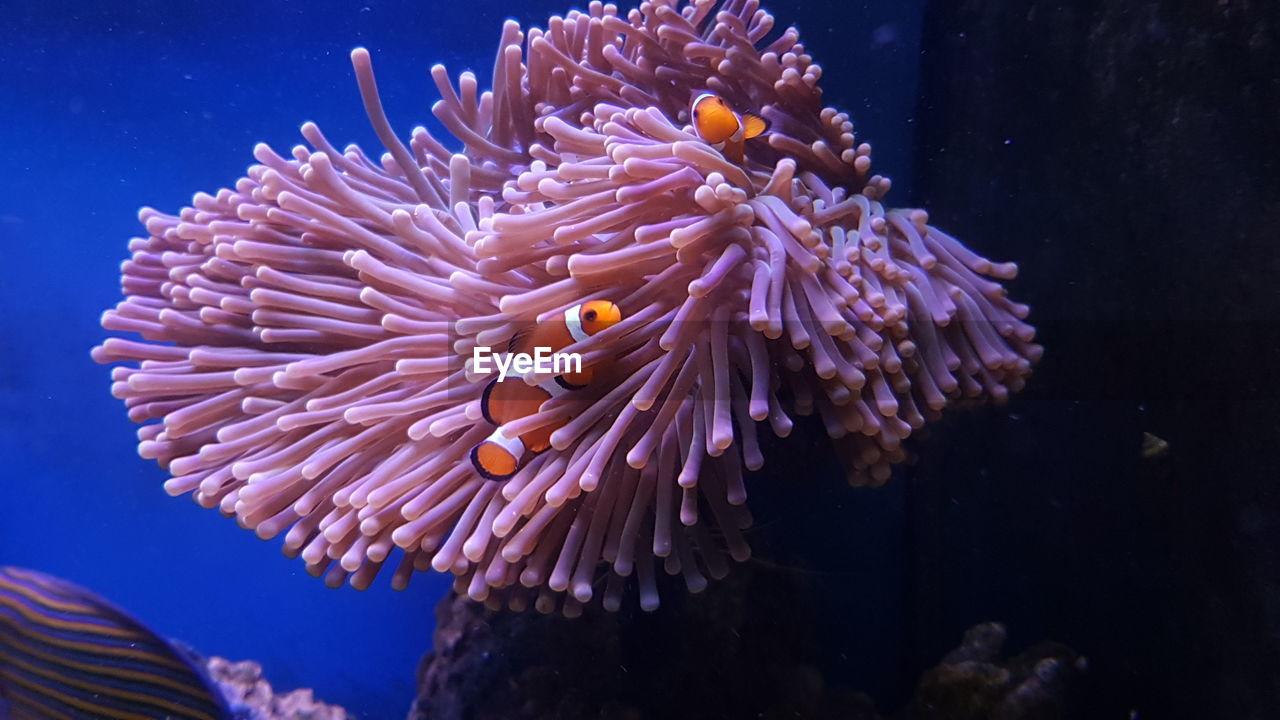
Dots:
pixel 498 457
pixel 722 128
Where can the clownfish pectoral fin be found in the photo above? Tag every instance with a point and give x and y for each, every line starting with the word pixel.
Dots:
pixel 485 399
pixel 735 152
pixel 753 126
pixel 518 341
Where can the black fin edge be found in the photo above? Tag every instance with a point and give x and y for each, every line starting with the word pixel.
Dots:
pixel 484 402
pixel 566 384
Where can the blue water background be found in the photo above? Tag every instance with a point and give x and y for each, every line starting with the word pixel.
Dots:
pixel 109 106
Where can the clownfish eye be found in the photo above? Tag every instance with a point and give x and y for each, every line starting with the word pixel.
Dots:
pixel 695 114
pixel 589 315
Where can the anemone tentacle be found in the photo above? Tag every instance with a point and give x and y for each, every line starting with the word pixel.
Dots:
pixel 305 334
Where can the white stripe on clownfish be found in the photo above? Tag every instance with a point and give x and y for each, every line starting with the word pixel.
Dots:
pixel 554 387
pixel 573 321
pixel 511 445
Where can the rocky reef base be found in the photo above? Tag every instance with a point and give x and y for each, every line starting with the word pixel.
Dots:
pixel 713 658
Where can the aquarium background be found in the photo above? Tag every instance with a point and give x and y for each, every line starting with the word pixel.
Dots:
pixel 1118 154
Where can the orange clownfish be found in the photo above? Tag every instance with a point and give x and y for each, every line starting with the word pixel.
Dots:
pixel 722 128
pixel 498 457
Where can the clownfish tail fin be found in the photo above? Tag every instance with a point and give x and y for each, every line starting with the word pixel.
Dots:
pixel 497 457
pixel 753 126
pixel 481 470
pixel 517 341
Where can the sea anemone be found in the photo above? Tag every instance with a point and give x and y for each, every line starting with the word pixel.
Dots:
pixel 306 334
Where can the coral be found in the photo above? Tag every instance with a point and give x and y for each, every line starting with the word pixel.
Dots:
pixel 250 696
pixel 974 682
pixel 308 330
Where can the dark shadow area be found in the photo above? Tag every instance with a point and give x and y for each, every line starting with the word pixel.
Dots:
pixel 1121 153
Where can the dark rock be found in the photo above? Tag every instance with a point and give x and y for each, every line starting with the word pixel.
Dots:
pixel 743 648
pixel 718 657
pixel 973 682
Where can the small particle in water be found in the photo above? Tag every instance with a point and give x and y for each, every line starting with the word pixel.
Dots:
pixel 886 34
pixel 1008 141
pixel 1153 447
